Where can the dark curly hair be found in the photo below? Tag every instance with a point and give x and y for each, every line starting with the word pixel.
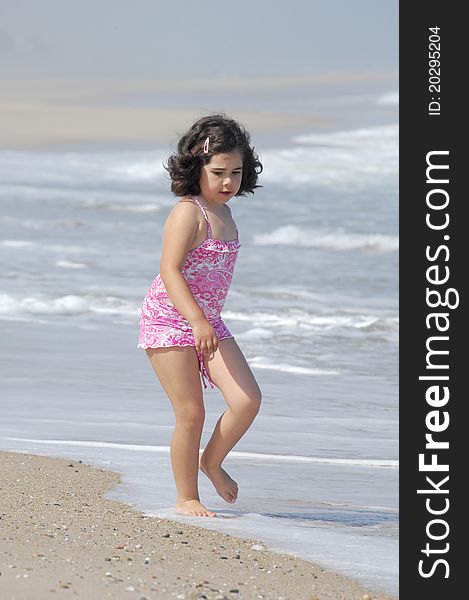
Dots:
pixel 226 135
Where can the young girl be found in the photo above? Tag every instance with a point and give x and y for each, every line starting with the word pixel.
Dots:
pixel 181 328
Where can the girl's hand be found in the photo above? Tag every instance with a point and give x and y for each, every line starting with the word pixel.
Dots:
pixel 206 340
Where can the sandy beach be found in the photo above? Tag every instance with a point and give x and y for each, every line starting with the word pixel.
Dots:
pixel 56 113
pixel 59 536
pixel 53 114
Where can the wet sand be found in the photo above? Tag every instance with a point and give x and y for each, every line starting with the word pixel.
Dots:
pixel 61 538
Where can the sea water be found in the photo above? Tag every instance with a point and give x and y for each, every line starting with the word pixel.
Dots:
pixel 313 306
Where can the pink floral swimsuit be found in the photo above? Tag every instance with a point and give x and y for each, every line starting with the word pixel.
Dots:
pixel 208 270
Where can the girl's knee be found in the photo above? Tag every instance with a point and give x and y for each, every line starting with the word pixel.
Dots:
pixel 256 400
pixel 252 402
pixel 192 417
pixel 256 394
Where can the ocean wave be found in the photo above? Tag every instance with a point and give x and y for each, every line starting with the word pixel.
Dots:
pixel 17 243
pixel 87 198
pixel 262 322
pixel 342 160
pixel 137 207
pixel 143 169
pixel 381 138
pixel 349 159
pixel 302 319
pixel 261 362
pixel 66 305
pixel 289 294
pixel 291 235
pixel 391 99
pixel 58 248
pixel 68 264
pixel 362 462
pixel 67 169
pixel 255 333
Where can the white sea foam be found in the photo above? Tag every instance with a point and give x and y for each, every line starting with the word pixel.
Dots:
pixel 382 137
pixel 70 249
pixel 305 319
pixel 139 208
pixel 41 224
pixel 263 322
pixel 66 305
pixel 260 362
pixel 143 169
pixel 66 169
pixel 114 206
pixel 59 248
pixel 255 333
pixel 391 99
pixel 340 240
pixel 363 462
pixel 343 160
pixel 17 243
pixel 88 198
pixel 68 264
pixel 354 159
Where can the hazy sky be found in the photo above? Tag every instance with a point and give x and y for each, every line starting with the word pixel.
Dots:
pixel 156 38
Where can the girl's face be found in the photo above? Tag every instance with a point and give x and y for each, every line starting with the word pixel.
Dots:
pixel 220 179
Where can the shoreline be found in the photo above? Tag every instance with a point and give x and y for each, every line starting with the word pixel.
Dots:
pixel 59 534
pixel 49 128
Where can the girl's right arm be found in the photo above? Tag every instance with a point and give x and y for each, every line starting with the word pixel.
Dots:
pixel 180 231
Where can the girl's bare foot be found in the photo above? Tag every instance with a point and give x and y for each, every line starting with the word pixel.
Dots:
pixel 226 487
pixel 194 508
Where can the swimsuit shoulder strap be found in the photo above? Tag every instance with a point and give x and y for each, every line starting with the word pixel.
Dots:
pixel 202 208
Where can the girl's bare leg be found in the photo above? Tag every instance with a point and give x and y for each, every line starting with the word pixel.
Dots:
pixel 177 368
pixel 230 372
